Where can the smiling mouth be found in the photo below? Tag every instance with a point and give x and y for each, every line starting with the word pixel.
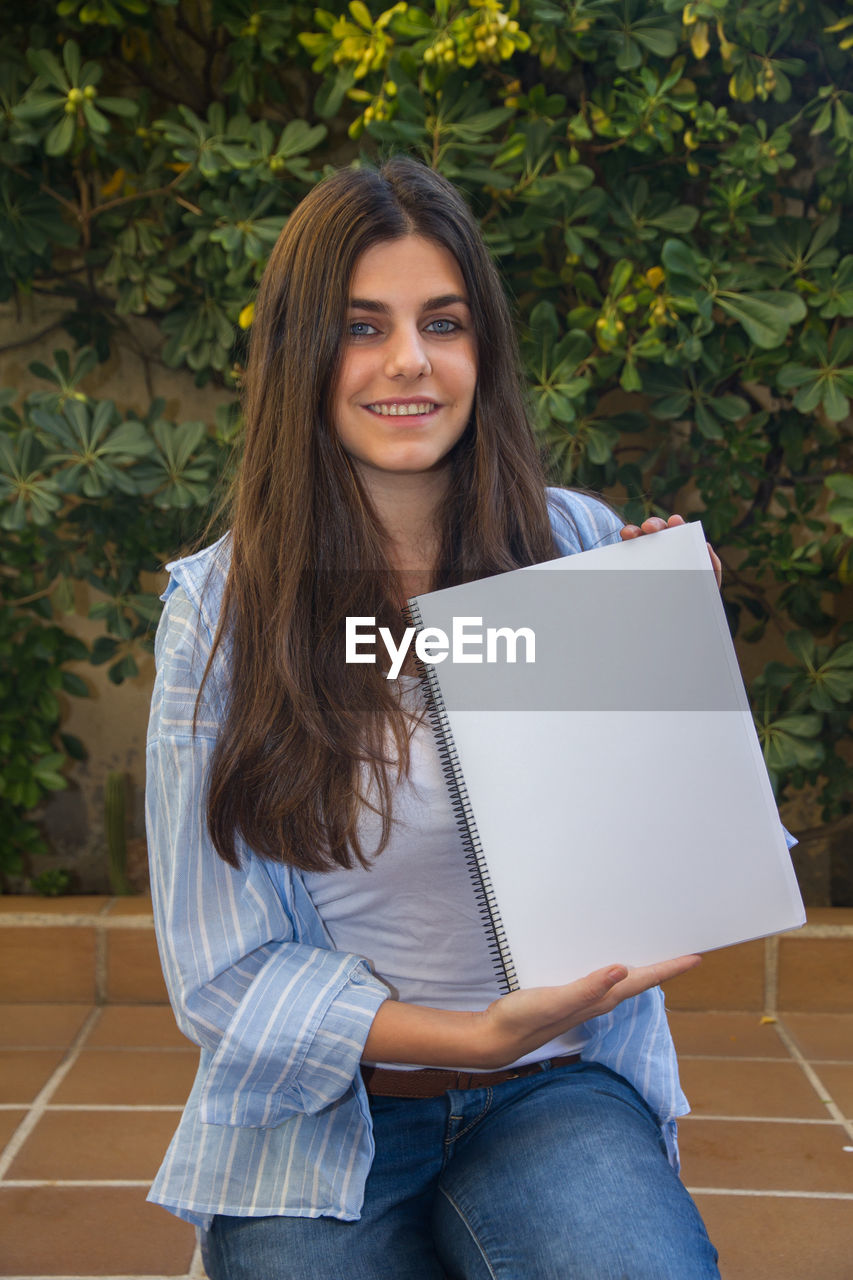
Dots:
pixel 403 408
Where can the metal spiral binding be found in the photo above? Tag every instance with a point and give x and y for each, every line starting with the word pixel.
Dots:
pixel 484 893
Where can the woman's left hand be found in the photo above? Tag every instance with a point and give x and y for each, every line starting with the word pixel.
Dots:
pixel 656 523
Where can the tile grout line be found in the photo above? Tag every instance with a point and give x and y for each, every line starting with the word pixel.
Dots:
pixel 782 1195
pixel 77 1182
pixel 698 1115
pixel 34 920
pixel 813 1078
pixel 53 1107
pixel 38 1106
pixel 165 1049
pixel 723 1057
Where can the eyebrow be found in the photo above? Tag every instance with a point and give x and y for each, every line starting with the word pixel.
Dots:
pixel 431 304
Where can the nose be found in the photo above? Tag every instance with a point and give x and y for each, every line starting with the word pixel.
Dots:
pixel 406 354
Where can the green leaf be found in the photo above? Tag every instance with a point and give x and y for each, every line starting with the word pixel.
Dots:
pixel 674 406
pixel 795 375
pixel 298 136
pixel 629 379
pixel 802 646
pixel 45 64
pixel 46 772
pixel 840 657
pixel 803 726
pixel 766 317
pixel 73 746
pixel 681 219
pixel 95 119
pixel 842 485
pixel 621 276
pixel 544 329
pixel 729 407
pixel 72 683
pixel 836 406
pixel 708 423
pixel 658 40
pixel 147 606
pixel 789 742
pixel 809 397
pixel 329 98
pixel 629 54
pixel 118 106
pixel 680 260
pixel 61 136
pixel 71 58
pixel 599 445
pixel 125 669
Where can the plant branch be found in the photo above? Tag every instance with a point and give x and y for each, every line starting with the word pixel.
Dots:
pixel 48 191
pixel 36 595
pixel 34 337
pixel 137 195
pixel 85 210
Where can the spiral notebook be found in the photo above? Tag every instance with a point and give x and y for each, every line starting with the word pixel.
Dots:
pixel 611 793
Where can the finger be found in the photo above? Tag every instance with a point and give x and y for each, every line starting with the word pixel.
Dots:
pixel 596 985
pixel 652 975
pixel 717 564
pixel 653 524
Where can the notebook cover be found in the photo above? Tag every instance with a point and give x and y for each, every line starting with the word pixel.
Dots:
pixel 612 793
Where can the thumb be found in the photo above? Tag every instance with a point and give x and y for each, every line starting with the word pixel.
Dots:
pixel 603 980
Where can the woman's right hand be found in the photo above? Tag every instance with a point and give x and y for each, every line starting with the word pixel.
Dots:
pixel 509 1027
pixel 520 1022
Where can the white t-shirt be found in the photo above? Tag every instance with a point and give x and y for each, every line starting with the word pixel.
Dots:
pixel 413 913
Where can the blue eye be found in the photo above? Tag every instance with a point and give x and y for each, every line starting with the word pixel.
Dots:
pixel 449 326
pixel 361 329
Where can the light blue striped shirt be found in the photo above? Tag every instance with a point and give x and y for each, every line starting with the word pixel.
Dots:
pixel 278 1121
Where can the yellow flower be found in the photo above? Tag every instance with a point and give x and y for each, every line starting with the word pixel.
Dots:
pixel 246 316
pixel 114 184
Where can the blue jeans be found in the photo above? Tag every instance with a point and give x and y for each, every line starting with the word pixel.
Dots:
pixel 561 1175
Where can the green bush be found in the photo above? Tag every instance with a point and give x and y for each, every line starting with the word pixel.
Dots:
pixel 667 188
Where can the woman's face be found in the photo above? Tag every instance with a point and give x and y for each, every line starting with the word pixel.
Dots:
pixel 406 387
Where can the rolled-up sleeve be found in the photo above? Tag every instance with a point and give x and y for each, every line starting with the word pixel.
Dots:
pixel 284 1022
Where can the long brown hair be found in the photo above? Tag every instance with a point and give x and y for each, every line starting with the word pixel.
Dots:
pixel 308 739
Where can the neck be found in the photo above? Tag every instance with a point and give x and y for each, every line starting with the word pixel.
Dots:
pixel 406 506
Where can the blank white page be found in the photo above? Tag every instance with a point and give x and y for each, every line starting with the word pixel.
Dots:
pixel 617 784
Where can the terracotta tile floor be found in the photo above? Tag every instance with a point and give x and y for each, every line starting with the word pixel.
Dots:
pixel 90 1097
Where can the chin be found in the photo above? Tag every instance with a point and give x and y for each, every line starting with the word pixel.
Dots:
pixel 408 466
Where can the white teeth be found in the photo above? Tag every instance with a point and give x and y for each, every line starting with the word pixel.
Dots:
pixel 399 410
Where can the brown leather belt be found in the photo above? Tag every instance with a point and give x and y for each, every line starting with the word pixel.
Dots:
pixel 430 1082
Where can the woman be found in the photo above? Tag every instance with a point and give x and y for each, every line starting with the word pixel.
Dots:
pixel 366 1104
